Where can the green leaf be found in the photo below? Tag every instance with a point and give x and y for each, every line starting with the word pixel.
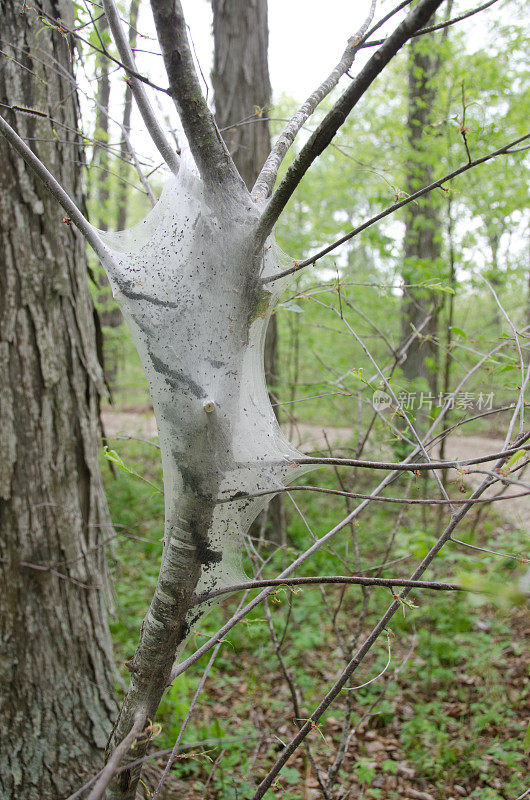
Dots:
pixel 440 288
pixel 113 456
pixel 515 457
pixel 459 332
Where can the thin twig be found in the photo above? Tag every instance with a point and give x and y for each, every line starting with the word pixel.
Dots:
pixel 440 25
pixel 176 746
pixel 321 579
pixel 391 209
pixel 148 115
pixel 118 754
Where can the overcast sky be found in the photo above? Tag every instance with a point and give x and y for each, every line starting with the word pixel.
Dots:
pixel 306 38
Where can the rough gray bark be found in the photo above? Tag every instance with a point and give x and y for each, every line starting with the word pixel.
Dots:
pixel 422 241
pixel 56 667
pixel 241 82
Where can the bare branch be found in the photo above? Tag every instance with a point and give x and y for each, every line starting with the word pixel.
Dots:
pixel 213 160
pixel 505 150
pixel 55 189
pixel 407 465
pixel 148 115
pixel 320 579
pixel 174 752
pixel 114 761
pixel 440 25
pixel 381 499
pixel 331 123
pixel 265 181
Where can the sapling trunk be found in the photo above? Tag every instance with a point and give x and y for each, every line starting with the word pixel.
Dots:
pixel 188 280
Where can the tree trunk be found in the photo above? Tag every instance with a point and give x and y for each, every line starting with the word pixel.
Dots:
pixel 243 93
pixel 241 81
pixel 56 666
pixel 101 153
pixel 121 200
pixel 422 242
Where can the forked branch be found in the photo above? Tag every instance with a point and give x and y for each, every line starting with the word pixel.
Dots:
pixel 213 160
pixel 331 123
pixel 148 115
pixel 265 181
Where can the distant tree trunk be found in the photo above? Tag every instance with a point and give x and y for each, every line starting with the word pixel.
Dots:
pixel 493 273
pixel 101 152
pixel 422 242
pixel 527 320
pixel 241 81
pixel 121 201
pixel 56 666
pixel 109 315
pixel 242 94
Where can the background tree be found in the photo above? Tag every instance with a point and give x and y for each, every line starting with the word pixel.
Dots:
pixel 57 664
pixel 422 239
pixel 242 105
pixel 122 195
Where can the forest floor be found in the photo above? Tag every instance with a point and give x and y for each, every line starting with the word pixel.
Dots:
pixel 447 719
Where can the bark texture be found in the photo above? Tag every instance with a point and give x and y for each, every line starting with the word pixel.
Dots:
pixel 241 82
pixel 422 243
pixel 56 667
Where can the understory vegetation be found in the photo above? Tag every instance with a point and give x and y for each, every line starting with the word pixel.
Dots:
pixel 446 719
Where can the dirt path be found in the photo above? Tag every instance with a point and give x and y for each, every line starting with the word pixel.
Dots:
pixel 307 438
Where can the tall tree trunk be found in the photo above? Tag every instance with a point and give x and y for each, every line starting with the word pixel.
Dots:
pixel 56 666
pixel 101 135
pixel 422 242
pixel 121 200
pixel 242 94
pixel 241 81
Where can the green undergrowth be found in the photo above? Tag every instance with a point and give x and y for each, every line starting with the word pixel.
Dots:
pixel 455 712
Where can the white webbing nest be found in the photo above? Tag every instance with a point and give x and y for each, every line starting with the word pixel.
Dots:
pixel 181 279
